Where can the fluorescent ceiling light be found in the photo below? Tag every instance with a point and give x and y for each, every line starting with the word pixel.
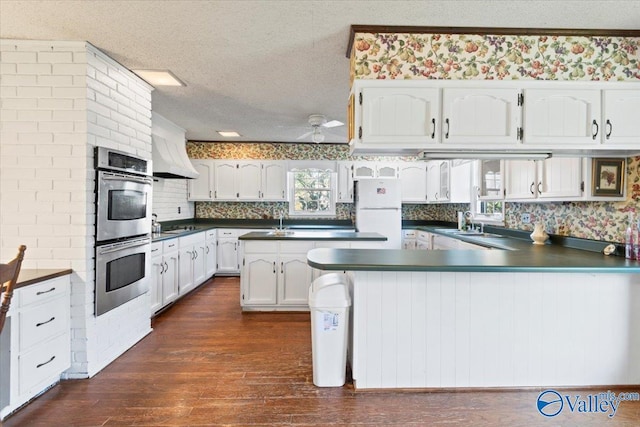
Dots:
pixel 483 155
pixel 228 133
pixel 159 77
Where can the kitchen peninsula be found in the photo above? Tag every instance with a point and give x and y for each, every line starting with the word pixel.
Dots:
pixel 494 318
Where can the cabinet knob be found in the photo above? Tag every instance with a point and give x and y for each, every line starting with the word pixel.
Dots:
pixel 609 128
pixel 595 133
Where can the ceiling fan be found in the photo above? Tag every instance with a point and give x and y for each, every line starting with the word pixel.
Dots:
pixel 317 122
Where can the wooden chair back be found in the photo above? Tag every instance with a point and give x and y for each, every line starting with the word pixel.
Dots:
pixel 8 277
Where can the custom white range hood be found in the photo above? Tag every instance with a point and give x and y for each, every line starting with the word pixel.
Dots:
pixel 170 158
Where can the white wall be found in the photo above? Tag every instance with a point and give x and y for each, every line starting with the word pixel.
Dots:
pixel 59 100
pixel 168 196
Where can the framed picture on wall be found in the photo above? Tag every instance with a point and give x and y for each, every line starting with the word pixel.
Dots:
pixel 608 177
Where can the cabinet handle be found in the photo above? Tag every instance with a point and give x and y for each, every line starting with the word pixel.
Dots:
pixel 597 128
pixel 433 132
pixel 446 135
pixel 531 187
pixel 207 249
pixel 540 187
pixel 609 128
pixel 162 267
pixel 45 292
pixel 281 267
pixel 44 323
pixel 166 267
pixel 209 193
pixel 436 196
pixel 274 266
pixel 44 363
pixel 283 194
pixel 447 194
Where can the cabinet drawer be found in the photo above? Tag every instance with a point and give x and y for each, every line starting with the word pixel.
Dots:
pixel 260 246
pixel 191 240
pixel 39 323
pixel 227 233
pixel 211 234
pixel 156 248
pixel 170 245
pixel 296 247
pixel 43 362
pixel 43 292
pixel 409 233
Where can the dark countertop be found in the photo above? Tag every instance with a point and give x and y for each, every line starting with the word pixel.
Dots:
pixel 32 276
pixel 312 235
pixel 517 255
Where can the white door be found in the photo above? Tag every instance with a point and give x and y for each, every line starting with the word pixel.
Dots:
pixel 413 182
pixel 249 181
pixel 460 182
pixel 202 187
pixel 521 181
pixel 210 255
pixel 295 277
pixel 274 181
pixel 562 116
pixel 227 255
pixel 259 279
pixel 444 181
pixel 185 283
pixel 364 170
pixel 560 177
pixel 199 263
pixel 400 115
pixel 155 285
pixel 345 182
pixel 621 111
pixel 433 181
pixel 473 115
pixel 225 180
pixel 386 170
pixel 170 277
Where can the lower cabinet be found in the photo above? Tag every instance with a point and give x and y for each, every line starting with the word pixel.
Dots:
pixel 192 262
pixel 165 273
pixel 275 275
pixel 210 252
pixel 35 344
pixel 227 252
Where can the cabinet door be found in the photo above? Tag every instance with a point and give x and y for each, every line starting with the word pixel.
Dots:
pixel 433 181
pixel 274 181
pixel 295 277
pixel 413 182
pixel 443 192
pixel 199 263
pixel 364 170
pixel 185 282
pixel 560 177
pixel 155 285
pixel 202 187
pixel 460 182
pixel 210 258
pixel 345 182
pixel 473 115
pixel 249 181
pixel 562 116
pixel 521 179
pixel 227 255
pixel 621 124
pixel 259 279
pixel 225 181
pixel 490 179
pixel 170 277
pixel 400 115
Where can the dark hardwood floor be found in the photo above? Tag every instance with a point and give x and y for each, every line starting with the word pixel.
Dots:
pixel 207 363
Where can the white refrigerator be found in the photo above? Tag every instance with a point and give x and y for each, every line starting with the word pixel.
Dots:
pixel 379 209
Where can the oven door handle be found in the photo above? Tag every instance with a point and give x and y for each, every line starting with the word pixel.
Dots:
pixel 146 181
pixel 119 248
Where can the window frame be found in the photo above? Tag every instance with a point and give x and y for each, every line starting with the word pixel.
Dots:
pixel 331 189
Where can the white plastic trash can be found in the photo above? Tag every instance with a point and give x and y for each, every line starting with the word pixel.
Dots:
pixel 329 304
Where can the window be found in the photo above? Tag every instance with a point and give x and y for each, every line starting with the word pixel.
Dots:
pixel 312 192
pixel 487 211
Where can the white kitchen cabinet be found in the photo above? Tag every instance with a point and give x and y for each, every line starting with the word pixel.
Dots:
pixel 424 240
pixel 490 179
pixel 399 115
pixel 409 239
pixel 35 344
pixel 562 116
pixel 202 188
pixel 274 181
pixel 460 181
pixel 363 170
pixel 275 274
pixel 165 273
pixel 210 253
pixel 248 180
pixel 227 252
pixel 413 182
pixel 225 180
pixel 445 183
pixel 556 178
pixel 434 173
pixel 192 262
pixel 480 115
pixel 620 117
pixel 345 182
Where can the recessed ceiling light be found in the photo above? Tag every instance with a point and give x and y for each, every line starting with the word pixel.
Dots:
pixel 159 77
pixel 228 133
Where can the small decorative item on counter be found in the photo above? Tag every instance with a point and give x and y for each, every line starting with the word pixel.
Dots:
pixel 461 221
pixel 609 249
pixel 631 239
pixel 539 235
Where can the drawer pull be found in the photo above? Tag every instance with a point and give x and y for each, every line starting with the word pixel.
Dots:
pixel 46 292
pixel 44 323
pixel 47 362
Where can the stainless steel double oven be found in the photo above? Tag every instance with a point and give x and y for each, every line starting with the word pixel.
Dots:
pixel 123 227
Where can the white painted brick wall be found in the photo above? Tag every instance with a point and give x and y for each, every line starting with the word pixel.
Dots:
pixel 168 195
pixel 60 99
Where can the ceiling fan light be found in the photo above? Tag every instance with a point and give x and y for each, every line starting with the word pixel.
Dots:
pixel 317 136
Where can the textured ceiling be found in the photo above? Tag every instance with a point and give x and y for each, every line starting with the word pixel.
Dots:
pixel 261 67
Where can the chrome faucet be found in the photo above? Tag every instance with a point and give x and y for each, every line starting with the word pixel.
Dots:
pixel 281 215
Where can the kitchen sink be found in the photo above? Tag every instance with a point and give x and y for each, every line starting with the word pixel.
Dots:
pixel 180 231
pixel 471 233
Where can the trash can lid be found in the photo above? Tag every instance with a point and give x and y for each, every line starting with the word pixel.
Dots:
pixel 329 290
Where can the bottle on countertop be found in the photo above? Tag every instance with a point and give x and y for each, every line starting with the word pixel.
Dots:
pixel 636 241
pixel 630 239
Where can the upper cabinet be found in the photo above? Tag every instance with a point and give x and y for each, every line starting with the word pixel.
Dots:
pixel 556 178
pixel 480 115
pixel 562 116
pixel 621 112
pixel 412 116
pixel 406 115
pixel 238 180
pixel 413 182
pixel 345 181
